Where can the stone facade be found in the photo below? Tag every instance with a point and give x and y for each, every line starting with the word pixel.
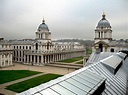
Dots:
pixel 42 50
pixel 5 53
pixel 103 41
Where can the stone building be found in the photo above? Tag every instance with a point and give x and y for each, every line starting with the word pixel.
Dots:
pixel 103 41
pixel 5 53
pixel 42 50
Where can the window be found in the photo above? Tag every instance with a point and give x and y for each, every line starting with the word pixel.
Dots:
pixel 20 53
pixel 36 46
pixel 99 34
pixel 112 50
pixel 2 63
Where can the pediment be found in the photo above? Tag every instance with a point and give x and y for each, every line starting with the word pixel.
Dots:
pixel 101 42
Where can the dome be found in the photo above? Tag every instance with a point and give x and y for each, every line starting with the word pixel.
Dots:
pixel 103 23
pixel 43 26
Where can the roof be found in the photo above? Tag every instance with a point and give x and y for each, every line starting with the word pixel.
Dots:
pixel 22 42
pixel 94 79
pixel 103 23
pixel 43 26
pixel 5 42
pixel 95 57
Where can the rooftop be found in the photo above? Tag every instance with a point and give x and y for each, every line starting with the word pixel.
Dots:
pixel 94 79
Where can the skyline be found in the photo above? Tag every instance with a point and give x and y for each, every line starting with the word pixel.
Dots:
pixel 19 19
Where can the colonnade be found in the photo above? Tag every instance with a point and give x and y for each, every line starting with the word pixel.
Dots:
pixel 103 34
pixel 47 58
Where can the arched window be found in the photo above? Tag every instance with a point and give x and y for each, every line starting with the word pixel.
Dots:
pixel 36 46
pixel 48 44
pixel 99 34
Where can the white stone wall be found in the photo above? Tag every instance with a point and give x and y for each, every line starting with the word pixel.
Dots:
pixel 5 55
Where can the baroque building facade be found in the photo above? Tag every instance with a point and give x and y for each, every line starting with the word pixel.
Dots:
pixel 6 52
pixel 42 50
pixel 103 41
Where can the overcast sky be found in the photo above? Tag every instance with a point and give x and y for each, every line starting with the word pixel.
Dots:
pixel 65 18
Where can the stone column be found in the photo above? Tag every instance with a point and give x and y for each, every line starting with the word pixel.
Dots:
pixel 57 57
pixel 31 59
pixel 45 59
pixel 37 59
pixel 53 58
pixel 24 59
pixel 42 59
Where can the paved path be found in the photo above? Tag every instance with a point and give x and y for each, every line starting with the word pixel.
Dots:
pixel 77 61
pixel 69 63
pixel 19 80
pixel 8 92
pixel 45 69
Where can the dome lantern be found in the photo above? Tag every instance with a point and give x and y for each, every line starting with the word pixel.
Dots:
pixel 43 26
pixel 103 16
pixel 43 21
pixel 103 23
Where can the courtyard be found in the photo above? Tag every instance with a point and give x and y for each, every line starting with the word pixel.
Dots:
pixel 40 71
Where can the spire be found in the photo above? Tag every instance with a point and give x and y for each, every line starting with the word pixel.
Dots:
pixel 103 16
pixel 43 21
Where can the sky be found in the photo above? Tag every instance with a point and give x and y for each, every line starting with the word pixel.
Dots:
pixel 75 19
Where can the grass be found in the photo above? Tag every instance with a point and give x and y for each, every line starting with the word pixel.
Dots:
pixel 81 62
pixel 88 51
pixel 72 59
pixel 11 75
pixel 24 85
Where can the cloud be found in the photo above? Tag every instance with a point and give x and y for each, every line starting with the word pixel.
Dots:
pixel 65 18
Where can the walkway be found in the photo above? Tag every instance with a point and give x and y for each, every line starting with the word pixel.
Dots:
pixel 72 65
pixel 8 92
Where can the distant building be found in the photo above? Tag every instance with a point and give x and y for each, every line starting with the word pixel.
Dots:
pixel 5 53
pixel 39 51
pixel 103 38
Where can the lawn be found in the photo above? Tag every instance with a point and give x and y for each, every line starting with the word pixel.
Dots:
pixel 72 59
pixel 88 51
pixel 11 75
pixel 24 85
pixel 81 62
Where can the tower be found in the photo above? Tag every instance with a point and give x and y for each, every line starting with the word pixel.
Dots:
pixel 43 33
pixel 103 35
